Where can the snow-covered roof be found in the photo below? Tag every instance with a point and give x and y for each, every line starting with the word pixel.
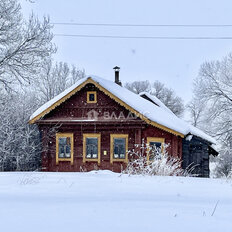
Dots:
pixel 156 101
pixel 193 130
pixel 156 115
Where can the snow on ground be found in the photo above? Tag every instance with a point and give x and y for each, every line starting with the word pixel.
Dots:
pixel 106 201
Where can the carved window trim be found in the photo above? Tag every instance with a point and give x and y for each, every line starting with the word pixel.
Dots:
pixel 155 140
pixel 89 94
pixel 64 135
pixel 95 135
pixel 112 137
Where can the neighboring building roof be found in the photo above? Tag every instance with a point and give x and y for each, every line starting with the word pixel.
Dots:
pixel 156 101
pixel 193 130
pixel 152 114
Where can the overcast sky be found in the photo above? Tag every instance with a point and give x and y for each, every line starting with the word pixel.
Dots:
pixel 173 62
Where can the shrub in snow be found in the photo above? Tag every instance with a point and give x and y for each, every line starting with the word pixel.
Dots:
pixel 160 163
pixel 223 166
pixel 19 141
pixel 20 146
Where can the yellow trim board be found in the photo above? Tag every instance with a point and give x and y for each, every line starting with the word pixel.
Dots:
pixel 63 99
pixel 95 135
pixel 122 103
pixel 112 159
pixel 95 96
pixel 155 139
pixel 60 135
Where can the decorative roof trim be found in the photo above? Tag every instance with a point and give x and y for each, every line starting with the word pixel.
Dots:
pixel 112 96
pixel 57 103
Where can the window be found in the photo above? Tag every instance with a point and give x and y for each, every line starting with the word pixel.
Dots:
pixel 154 144
pixel 64 147
pixel 118 148
pixel 91 97
pixel 91 147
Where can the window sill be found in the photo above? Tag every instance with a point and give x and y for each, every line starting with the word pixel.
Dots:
pixel 119 160
pixel 91 160
pixel 64 159
pixel 91 102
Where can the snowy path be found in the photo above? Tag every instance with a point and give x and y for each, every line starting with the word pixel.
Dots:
pixel 104 201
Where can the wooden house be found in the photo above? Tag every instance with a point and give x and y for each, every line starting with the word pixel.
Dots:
pixel 94 123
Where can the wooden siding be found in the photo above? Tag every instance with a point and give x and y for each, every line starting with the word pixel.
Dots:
pixel 196 153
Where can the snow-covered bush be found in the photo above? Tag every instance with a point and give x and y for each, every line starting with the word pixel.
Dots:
pixel 19 141
pixel 223 167
pixel 162 163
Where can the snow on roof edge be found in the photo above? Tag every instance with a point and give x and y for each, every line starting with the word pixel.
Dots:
pixel 193 130
pixel 48 104
pixel 156 100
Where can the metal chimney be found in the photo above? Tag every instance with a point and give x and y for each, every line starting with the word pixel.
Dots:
pixel 117 81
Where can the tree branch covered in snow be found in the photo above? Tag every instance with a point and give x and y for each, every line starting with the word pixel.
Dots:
pixel 212 101
pixel 224 164
pixel 164 94
pixel 19 141
pixel 26 63
pixel 24 45
pixel 55 78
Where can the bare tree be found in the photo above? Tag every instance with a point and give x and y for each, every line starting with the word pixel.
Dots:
pixel 224 164
pixel 76 74
pixel 19 141
pixel 213 106
pixel 25 57
pixel 213 87
pixel 23 45
pixel 55 78
pixel 166 95
pixel 139 86
pixel 196 109
pixel 61 73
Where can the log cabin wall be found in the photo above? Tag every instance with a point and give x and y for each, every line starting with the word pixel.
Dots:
pixel 49 143
pixel 174 142
pixel 72 116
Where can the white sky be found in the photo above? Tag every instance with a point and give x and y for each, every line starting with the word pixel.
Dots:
pixel 173 62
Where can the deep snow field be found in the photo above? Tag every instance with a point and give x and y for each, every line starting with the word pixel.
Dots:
pixel 106 201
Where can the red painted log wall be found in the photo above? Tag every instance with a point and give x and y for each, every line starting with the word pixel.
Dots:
pixel 71 116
